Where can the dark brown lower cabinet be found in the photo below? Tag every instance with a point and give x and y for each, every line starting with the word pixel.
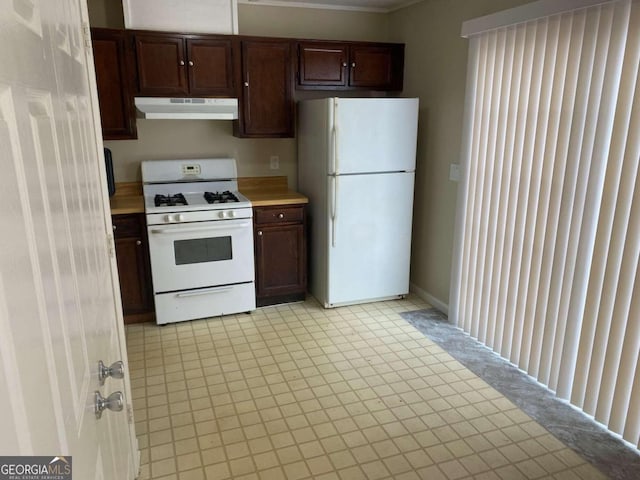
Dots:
pixel 280 254
pixel 134 269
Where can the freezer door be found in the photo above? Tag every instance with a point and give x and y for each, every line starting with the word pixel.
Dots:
pixel 374 135
pixel 369 237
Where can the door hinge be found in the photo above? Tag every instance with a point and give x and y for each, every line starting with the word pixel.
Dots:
pixel 111 246
pixel 130 413
pixel 86 33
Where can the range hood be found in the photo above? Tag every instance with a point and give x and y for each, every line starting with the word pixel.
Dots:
pixel 187 108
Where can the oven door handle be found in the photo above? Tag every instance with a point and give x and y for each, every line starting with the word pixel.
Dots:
pixel 204 291
pixel 199 229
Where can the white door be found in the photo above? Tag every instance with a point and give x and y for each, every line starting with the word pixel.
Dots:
pixel 374 135
pixel 58 311
pixel 370 236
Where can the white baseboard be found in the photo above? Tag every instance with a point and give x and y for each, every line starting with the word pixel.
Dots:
pixel 430 299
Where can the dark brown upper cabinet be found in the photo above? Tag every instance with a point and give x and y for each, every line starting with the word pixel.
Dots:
pixel 210 67
pixel 378 67
pixel 184 65
pixel 259 71
pixel 113 80
pixel 323 64
pixel 267 107
pixel 350 65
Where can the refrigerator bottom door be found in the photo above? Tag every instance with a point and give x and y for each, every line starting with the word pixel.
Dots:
pixel 369 237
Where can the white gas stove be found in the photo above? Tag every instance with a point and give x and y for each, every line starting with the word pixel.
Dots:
pixel 200 239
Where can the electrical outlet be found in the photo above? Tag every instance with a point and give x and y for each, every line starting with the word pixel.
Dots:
pixel 454 172
pixel 274 162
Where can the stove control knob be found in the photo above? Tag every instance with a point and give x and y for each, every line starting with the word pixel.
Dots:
pixel 231 214
pixel 180 218
pixel 221 214
pixel 167 218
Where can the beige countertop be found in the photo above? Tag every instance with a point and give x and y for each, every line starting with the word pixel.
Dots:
pixel 268 191
pixel 262 191
pixel 127 199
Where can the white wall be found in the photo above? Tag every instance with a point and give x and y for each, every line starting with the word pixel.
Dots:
pixel 435 71
pixel 312 23
pixel 163 139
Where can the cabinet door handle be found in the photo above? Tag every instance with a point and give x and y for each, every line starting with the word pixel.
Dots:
pixel 114 228
pixel 344 64
pixel 260 233
pixel 246 84
pixel 138 242
pixel 281 215
pixel 190 63
pixel 353 65
pixel 181 63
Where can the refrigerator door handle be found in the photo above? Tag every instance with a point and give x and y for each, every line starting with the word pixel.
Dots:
pixel 336 158
pixel 334 209
pixel 333 153
pixel 336 163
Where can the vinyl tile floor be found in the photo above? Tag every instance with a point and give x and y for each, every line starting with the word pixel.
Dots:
pixel 297 392
pixel 606 451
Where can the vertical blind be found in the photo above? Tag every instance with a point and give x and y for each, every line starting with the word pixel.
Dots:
pixel 548 225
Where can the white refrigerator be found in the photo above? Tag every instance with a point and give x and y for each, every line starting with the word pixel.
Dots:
pixel 356 163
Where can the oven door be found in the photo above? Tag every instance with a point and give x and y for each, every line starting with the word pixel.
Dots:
pixel 201 254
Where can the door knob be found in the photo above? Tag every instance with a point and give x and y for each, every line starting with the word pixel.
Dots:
pixel 114 402
pixel 116 370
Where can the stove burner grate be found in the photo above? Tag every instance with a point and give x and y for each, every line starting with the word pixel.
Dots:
pixel 224 197
pixel 170 200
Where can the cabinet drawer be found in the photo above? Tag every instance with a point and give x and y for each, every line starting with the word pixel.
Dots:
pixel 127 225
pixel 273 215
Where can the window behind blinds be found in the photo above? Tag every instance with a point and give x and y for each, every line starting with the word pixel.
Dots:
pixel 548 229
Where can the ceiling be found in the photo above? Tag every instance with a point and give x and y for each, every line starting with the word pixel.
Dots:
pixel 361 5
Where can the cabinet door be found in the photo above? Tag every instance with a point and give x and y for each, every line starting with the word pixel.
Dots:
pixel 322 64
pixel 161 64
pixel 376 66
pixel 267 103
pixel 132 255
pixel 113 79
pixel 280 258
pixel 210 67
